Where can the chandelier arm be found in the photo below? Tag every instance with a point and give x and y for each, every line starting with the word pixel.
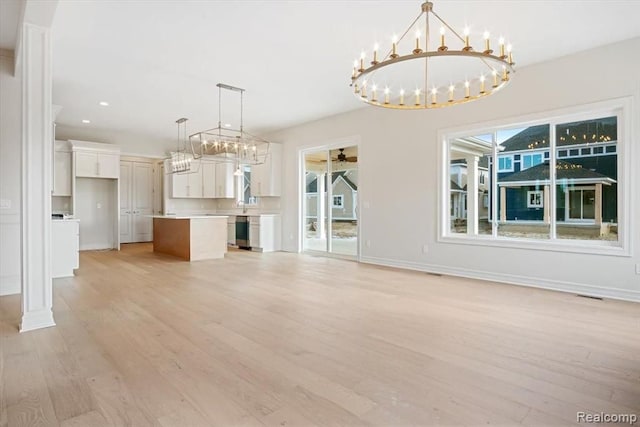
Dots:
pixel 403 34
pixel 460 37
pixel 448 26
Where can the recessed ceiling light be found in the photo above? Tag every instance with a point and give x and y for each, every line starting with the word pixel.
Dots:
pixel 104 103
pixel 227 125
pixel 86 122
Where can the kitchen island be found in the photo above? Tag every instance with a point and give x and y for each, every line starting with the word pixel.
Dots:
pixel 192 238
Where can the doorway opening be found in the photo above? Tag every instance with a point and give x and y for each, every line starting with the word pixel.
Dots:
pixel 330 201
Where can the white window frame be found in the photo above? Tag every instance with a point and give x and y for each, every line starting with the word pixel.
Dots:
pixel 540 198
pixel 522 157
pixel 505 158
pixel 622 108
pixel 333 201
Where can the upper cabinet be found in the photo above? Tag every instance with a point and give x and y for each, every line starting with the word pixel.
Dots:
pixel 187 184
pixel 208 180
pixel 62 169
pixel 224 181
pixel 95 160
pixel 266 179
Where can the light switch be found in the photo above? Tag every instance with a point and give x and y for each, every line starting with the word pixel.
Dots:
pixel 5 204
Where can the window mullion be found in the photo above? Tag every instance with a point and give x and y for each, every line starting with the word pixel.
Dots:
pixel 552 181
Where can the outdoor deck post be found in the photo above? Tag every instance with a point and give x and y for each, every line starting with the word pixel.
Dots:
pixel 472 194
pixel 321 205
pixel 503 204
pixel 598 204
pixel 546 202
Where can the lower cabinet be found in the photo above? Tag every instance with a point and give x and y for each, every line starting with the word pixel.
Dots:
pixel 65 241
pixel 264 233
pixel 231 230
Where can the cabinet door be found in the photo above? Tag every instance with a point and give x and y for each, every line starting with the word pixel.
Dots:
pixel 254 232
pixel 126 214
pixel 62 173
pixel 142 190
pixel 86 164
pixel 179 185
pixel 266 177
pixel 208 180
pixel 108 165
pixel 195 184
pixel 224 181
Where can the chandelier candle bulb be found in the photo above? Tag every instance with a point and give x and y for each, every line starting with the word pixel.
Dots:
pixel 467 47
pixel 402 97
pixel 417 96
pixel 505 76
pixel 394 42
pixel 509 49
pixel 434 96
pixel 374 97
pixel 417 50
pixel 482 78
pixel 466 89
pixel 501 41
pixel 451 93
pixel 375 54
pixel 443 46
pixel 361 62
pixel 386 95
pixel 487 43
pixel 495 78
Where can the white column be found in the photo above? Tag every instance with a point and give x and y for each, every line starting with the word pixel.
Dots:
pixel 472 194
pixel 503 204
pixel 598 204
pixel 321 205
pixel 37 140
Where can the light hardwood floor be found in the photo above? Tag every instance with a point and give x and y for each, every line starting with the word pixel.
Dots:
pixel 294 340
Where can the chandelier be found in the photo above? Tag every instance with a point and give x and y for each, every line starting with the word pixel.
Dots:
pixel 222 144
pixel 430 76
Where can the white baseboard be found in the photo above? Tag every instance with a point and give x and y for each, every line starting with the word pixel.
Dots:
pixel 10 285
pixel 37 320
pixel 513 279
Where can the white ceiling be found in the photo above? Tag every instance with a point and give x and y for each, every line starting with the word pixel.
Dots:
pixel 156 61
pixel 9 17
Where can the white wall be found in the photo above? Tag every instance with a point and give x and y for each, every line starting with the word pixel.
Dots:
pixel 403 145
pixel 10 172
pixel 97 209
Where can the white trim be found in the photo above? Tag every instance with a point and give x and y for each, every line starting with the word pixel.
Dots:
pixel 512 279
pixel 505 157
pixel 540 199
pixel 36 320
pixel 622 108
pixel 347 141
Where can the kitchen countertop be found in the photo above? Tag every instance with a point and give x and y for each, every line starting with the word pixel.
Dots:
pixel 199 216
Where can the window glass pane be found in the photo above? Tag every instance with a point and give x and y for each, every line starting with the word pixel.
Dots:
pixel 587 186
pixel 470 184
pixel 523 191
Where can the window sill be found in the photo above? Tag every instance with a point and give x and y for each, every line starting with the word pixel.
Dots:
pixel 559 245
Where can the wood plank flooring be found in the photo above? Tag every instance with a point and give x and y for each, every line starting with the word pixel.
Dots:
pixel 293 340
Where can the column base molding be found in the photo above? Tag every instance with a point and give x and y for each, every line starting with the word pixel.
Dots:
pixel 37 320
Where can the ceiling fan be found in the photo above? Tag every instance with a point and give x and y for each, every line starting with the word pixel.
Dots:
pixel 344 158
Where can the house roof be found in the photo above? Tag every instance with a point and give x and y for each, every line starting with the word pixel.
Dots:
pixel 583 132
pixel 454 186
pixel 483 162
pixel 565 171
pixel 312 181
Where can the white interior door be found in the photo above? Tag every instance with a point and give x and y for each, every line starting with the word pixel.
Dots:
pixel 142 190
pixel 126 208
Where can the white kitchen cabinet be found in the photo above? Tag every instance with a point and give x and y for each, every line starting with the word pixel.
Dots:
pixel 208 180
pixel 224 180
pixel 266 178
pixel 231 230
pixel 61 170
pixel 92 164
pixel 64 247
pixel 136 201
pixel 264 233
pixel 187 185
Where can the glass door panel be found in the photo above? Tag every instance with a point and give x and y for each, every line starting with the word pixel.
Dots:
pixel 343 201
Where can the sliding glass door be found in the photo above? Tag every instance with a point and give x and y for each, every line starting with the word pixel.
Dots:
pixel 330 201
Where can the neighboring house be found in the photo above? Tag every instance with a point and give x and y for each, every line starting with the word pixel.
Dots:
pixel 344 196
pixel 458 176
pixel 586 178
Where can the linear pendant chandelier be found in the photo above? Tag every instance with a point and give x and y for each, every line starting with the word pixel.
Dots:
pixel 221 144
pixel 433 77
